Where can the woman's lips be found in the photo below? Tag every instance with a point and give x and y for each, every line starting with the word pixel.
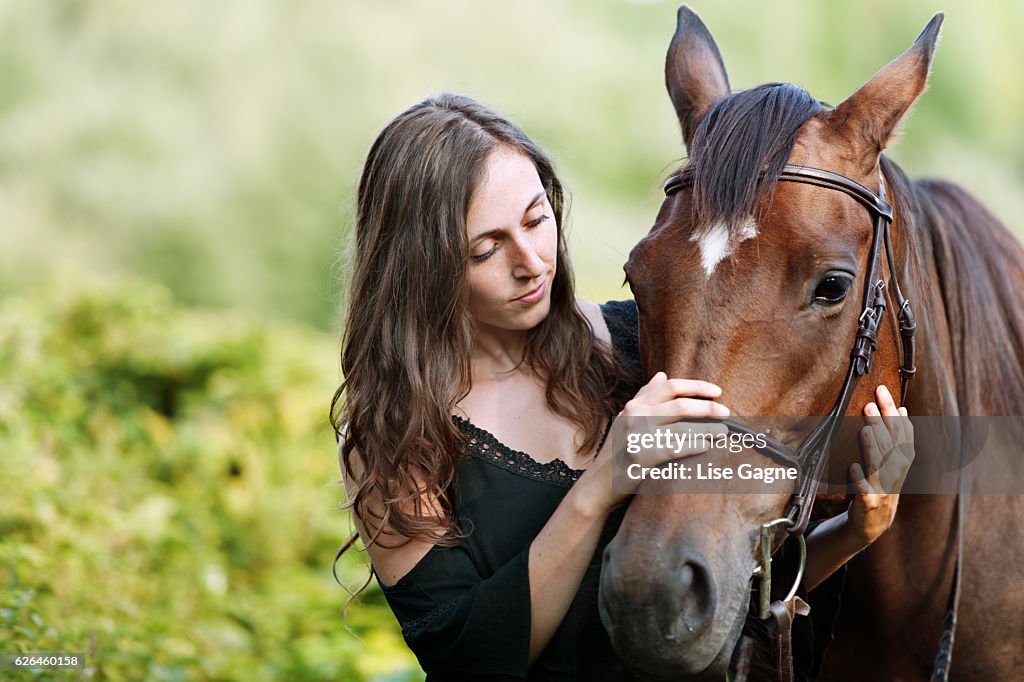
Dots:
pixel 534 295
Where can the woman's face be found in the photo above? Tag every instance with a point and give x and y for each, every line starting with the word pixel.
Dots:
pixel 513 242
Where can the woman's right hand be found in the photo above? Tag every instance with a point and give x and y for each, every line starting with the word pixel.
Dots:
pixel 662 403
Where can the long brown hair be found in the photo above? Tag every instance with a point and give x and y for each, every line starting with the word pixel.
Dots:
pixel 408 335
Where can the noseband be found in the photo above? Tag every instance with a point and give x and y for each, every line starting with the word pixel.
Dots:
pixel 810 458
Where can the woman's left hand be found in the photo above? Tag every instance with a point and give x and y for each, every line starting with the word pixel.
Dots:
pixel 887 446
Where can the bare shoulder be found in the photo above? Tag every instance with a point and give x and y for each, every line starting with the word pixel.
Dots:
pixel 592 312
pixel 392 554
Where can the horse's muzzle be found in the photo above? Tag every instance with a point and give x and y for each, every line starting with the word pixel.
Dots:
pixel 661 618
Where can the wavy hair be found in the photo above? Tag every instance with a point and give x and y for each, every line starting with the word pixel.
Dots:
pixel 408 332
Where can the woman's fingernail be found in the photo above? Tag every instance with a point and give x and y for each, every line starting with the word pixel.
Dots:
pixel 721 410
pixel 871 409
pixel 885 390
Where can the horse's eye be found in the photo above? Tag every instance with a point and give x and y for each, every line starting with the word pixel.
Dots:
pixel 832 289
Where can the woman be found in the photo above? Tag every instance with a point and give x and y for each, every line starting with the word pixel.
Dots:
pixel 464 350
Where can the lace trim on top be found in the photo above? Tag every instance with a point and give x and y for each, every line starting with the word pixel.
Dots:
pixel 412 629
pixel 485 447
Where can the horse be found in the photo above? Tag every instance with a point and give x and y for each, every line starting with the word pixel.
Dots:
pixel 769 267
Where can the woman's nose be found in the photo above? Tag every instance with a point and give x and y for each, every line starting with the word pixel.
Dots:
pixel 528 262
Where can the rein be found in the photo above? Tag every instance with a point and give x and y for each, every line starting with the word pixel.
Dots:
pixel 810 457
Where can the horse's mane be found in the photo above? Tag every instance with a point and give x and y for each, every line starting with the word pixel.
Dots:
pixel 738 151
pixel 979 267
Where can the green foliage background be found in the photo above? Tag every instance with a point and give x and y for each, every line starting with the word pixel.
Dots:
pixel 168 493
pixel 176 187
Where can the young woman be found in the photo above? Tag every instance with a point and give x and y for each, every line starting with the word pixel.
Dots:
pixel 477 395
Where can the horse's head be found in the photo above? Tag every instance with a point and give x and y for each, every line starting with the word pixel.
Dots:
pixel 756 285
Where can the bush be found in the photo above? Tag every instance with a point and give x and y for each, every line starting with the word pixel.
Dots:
pixel 168 505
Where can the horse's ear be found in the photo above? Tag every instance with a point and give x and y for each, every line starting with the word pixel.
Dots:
pixel 694 73
pixel 867 119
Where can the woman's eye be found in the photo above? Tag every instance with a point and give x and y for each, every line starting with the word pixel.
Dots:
pixel 832 289
pixel 481 257
pixel 537 221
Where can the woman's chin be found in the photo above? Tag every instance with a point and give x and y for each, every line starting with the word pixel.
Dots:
pixel 532 318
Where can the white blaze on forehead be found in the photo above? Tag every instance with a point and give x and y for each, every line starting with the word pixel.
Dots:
pixel 716 245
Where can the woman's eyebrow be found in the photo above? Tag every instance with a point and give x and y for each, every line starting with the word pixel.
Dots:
pixel 484 235
pixel 533 202
pixel 498 230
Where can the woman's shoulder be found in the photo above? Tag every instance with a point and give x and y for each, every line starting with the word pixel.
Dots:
pixel 595 316
pixel 614 322
pixel 392 554
pixel 617 324
pixel 610 319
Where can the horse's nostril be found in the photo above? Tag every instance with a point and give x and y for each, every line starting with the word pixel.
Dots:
pixel 686 604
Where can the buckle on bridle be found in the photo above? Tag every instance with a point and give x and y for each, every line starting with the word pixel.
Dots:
pixel 764 571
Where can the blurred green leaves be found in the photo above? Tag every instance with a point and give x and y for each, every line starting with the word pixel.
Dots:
pixel 216 147
pixel 168 486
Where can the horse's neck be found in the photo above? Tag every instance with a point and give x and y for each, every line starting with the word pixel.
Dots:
pixel 967 296
pixel 894 598
pixel 932 391
pixel 883 604
pixel 896 590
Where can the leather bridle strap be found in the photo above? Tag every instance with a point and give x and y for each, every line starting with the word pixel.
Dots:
pixel 810 458
pixel 881 210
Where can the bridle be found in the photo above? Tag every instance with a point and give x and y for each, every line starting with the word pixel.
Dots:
pixel 809 459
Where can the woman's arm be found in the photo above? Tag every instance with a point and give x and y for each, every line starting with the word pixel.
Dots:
pixel 887 443
pixel 560 554
pixel 559 557
pixel 460 621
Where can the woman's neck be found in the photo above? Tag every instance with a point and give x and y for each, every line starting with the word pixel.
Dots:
pixel 497 352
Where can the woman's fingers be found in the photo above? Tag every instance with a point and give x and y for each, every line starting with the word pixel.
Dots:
pixel 894 418
pixel 686 408
pixel 859 482
pixel 695 387
pixel 886 468
pixel 669 400
pixel 879 427
pixel 885 402
pixel 661 387
pixel 882 465
pixel 873 456
pixel 907 430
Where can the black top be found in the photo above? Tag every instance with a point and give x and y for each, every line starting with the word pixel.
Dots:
pixel 465 610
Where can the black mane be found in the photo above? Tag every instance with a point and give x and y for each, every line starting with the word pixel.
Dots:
pixel 739 149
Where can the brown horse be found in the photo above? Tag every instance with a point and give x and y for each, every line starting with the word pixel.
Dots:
pixel 763 268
